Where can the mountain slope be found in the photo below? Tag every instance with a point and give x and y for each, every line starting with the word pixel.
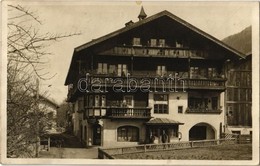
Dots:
pixel 241 41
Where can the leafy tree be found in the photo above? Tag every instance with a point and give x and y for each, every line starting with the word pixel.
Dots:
pixel 26 54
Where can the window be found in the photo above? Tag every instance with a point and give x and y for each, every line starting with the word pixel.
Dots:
pixel 214 103
pixel 178 44
pixel 161 70
pixel 160 97
pixel 194 72
pixel 161 108
pixel 128 134
pixel 161 42
pixel 180 109
pixel 103 101
pixel 129 100
pixel 121 70
pixel 91 101
pixel 100 100
pixel 81 103
pixel 153 42
pixel 112 69
pixel 230 111
pixel 102 68
pixel 97 101
pixel 136 41
pixel 160 103
pixel 86 102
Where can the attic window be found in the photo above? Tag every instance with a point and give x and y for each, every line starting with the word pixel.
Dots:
pixel 136 41
pixel 153 42
pixel 161 42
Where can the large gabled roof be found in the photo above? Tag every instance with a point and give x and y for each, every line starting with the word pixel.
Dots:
pixel 151 18
pixel 147 20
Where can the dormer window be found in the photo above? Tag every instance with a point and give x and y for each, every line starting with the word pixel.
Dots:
pixel 136 41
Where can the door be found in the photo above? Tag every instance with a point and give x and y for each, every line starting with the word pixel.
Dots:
pixel 96 134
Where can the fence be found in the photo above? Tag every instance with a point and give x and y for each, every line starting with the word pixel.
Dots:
pixel 241 139
pixel 244 139
pixel 111 152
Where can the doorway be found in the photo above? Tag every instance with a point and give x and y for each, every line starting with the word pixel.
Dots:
pixel 96 134
pixel 201 131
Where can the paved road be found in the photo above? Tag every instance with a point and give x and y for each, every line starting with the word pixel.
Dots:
pixel 82 153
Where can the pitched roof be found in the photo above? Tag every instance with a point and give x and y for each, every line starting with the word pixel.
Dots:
pixel 151 18
pixel 163 121
pixel 50 101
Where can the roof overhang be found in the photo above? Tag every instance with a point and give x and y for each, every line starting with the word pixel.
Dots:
pixel 163 121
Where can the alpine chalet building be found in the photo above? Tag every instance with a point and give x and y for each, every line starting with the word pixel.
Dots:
pixel 157 80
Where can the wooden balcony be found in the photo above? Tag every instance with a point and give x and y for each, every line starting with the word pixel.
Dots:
pixel 118 112
pixel 204 83
pixel 154 82
pixel 156 51
pixel 160 82
pixel 203 111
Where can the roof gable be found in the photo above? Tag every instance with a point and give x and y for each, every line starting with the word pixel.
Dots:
pixel 159 16
pixel 152 18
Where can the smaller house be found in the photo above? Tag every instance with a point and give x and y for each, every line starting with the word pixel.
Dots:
pixel 50 108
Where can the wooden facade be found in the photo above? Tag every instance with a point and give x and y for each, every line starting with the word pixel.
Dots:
pixel 239 93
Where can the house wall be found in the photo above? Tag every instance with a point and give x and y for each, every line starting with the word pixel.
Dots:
pixel 109 131
pixel 189 119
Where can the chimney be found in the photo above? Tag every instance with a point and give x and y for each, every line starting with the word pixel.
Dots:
pixel 129 23
pixel 142 14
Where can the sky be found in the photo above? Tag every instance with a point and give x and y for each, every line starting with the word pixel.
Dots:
pixel 95 19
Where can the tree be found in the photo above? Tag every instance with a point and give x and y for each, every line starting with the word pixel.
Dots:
pixel 62 114
pixel 26 55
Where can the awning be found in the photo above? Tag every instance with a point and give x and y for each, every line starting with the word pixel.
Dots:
pixel 163 121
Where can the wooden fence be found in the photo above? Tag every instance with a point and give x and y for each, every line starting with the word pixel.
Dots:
pixel 110 153
pixel 241 139
pixel 244 139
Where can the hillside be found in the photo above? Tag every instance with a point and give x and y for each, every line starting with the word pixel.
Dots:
pixel 241 41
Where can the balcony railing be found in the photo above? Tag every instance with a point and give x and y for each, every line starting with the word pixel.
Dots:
pixel 206 83
pixel 120 112
pixel 203 111
pixel 180 52
pixel 152 81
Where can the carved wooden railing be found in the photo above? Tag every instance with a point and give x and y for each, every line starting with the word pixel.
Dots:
pixel 155 82
pixel 179 52
pixel 112 152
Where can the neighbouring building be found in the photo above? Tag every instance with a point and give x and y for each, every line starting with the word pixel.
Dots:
pixel 156 80
pixel 49 107
pixel 239 96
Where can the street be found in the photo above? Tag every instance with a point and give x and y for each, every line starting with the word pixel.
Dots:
pixel 71 148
